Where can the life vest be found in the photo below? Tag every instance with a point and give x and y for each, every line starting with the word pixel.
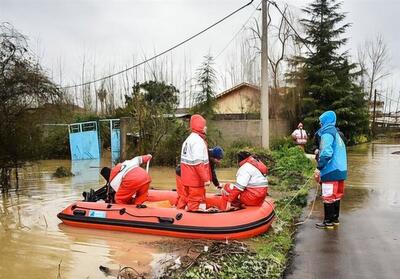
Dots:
pixel 251 174
pixel 256 163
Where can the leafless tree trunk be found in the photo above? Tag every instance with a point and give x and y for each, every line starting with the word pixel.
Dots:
pixel 102 95
pixel 373 58
pixel 280 36
pixel 95 88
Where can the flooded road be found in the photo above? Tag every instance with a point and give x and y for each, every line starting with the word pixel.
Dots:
pixel 34 243
pixel 367 242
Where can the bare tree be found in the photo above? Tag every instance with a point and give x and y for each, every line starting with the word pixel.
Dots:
pixel 373 58
pixel 24 90
pixel 280 36
pixel 248 68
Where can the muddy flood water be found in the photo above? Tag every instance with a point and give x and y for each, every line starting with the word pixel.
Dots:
pixel 34 243
pixel 367 242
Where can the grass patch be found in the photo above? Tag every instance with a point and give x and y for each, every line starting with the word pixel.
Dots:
pixel 264 256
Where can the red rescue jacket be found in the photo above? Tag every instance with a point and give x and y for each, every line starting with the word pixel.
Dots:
pixel 256 163
pixel 195 166
pixel 125 172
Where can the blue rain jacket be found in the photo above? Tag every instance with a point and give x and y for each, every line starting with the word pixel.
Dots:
pixel 332 161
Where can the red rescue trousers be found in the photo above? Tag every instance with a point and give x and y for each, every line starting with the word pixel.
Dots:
pixel 182 195
pixel 189 196
pixel 137 183
pixel 194 197
pixel 249 196
pixel 332 191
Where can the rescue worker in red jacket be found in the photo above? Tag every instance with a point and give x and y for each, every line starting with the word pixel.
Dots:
pixel 215 155
pixel 195 167
pixel 130 181
pixel 251 185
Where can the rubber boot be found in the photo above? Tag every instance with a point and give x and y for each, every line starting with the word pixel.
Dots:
pixel 329 211
pixel 335 219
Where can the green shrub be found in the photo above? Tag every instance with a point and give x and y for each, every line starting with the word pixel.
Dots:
pixel 280 143
pixel 62 172
pixel 290 161
pixel 55 143
pixel 289 168
pixel 360 139
pixel 230 158
pixel 168 153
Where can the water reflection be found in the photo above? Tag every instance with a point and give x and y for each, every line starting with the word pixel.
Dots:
pixel 32 240
pixel 85 171
pixel 365 245
pixel 107 248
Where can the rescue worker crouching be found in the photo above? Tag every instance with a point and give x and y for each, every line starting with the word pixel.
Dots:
pixel 251 185
pixel 195 167
pixel 331 170
pixel 130 181
pixel 215 155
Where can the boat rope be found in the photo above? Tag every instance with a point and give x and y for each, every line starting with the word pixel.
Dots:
pixel 277 213
pixel 121 211
pixel 99 209
pixel 312 208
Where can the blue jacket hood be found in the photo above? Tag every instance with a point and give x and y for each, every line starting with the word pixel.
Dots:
pixel 328 118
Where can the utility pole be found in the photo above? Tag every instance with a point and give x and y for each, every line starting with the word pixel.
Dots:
pixel 123 126
pixel 264 109
pixel 373 116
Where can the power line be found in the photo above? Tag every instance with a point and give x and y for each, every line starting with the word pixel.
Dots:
pixel 240 30
pixel 396 101
pixel 290 25
pixel 161 53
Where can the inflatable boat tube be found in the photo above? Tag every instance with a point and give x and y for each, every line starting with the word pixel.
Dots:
pixel 169 221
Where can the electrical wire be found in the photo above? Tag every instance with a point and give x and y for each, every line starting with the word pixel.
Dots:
pixel 391 99
pixel 384 117
pixel 290 25
pixel 161 53
pixel 238 32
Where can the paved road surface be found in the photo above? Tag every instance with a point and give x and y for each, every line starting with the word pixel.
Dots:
pixel 367 242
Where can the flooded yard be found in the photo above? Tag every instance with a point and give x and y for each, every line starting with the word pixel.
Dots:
pixel 34 243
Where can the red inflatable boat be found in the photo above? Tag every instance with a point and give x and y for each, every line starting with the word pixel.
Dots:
pixel 169 221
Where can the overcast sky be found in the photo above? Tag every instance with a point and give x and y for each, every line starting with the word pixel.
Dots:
pixel 112 32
